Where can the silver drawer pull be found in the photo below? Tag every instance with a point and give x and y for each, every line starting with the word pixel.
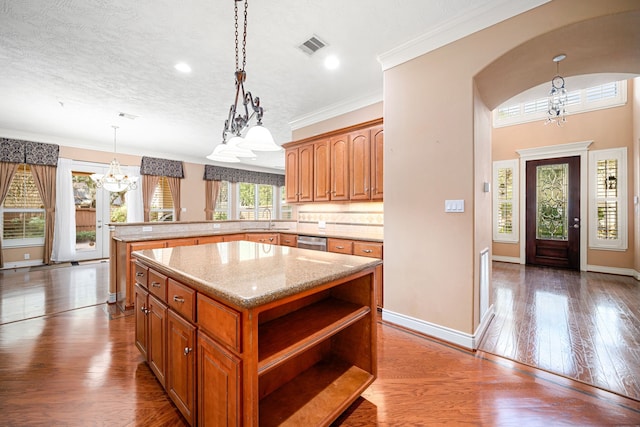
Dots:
pixel 367 251
pixel 176 298
pixel 155 284
pixel 139 274
pixel 339 247
pixel 187 350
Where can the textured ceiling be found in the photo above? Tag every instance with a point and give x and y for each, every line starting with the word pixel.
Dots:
pixel 70 66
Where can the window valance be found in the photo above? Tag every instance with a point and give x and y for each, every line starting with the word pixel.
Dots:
pixel 218 173
pixel 161 167
pixel 32 153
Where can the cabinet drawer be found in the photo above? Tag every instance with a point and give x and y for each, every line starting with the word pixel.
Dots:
pixel 220 322
pixel 141 274
pixel 368 249
pixel 182 299
pixel 340 246
pixel 158 284
pixel 288 240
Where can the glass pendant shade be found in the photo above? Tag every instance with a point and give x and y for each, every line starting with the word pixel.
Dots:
pixel 221 155
pixel 234 148
pixel 259 139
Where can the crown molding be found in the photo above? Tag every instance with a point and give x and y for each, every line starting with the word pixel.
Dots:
pixel 331 111
pixel 483 16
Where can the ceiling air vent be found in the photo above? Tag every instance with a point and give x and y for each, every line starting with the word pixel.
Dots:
pixel 127 116
pixel 312 45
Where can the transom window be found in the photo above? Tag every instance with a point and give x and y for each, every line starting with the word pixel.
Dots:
pixel 23 214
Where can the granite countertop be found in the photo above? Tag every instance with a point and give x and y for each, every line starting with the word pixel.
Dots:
pixel 247 274
pixel 355 235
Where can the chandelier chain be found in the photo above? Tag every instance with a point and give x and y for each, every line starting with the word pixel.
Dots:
pixel 244 35
pixel 235 9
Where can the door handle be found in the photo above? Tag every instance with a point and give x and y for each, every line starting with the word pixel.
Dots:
pixel 576 225
pixel 576 219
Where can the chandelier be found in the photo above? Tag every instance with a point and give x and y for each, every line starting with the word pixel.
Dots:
pixel 114 180
pixel 556 110
pixel 242 111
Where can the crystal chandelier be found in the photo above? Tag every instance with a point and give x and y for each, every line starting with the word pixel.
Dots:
pixel 556 110
pixel 258 138
pixel 114 180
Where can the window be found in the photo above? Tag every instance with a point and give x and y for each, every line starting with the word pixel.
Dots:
pixel 256 201
pixel 607 95
pixel 162 204
pixel 23 212
pixel 222 203
pixel 286 210
pixel 505 201
pixel 608 199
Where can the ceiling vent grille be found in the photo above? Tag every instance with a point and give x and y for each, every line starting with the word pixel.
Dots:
pixel 312 45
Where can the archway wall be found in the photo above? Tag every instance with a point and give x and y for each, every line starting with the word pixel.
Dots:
pixel 435 146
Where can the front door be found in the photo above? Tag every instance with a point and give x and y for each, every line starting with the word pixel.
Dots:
pixel 553 212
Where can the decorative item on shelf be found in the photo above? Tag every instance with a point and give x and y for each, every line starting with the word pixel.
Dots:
pixel 114 180
pixel 258 138
pixel 556 111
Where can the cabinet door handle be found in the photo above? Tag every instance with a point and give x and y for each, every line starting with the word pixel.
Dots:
pixel 271 239
pixel 339 247
pixel 177 298
pixel 367 251
pixel 187 350
pixel 139 274
pixel 155 284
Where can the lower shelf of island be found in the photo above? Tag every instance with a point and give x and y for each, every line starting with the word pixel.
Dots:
pixel 315 397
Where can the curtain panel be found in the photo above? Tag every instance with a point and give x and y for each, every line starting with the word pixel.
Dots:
pixel 218 173
pixel 7 171
pixel 29 152
pixel 149 183
pixel 161 167
pixel 174 186
pixel 45 179
pixel 212 189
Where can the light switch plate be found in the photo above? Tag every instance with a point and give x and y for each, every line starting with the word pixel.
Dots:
pixel 146 228
pixel 322 224
pixel 454 206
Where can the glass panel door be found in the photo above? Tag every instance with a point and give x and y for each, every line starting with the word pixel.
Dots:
pixel 552 183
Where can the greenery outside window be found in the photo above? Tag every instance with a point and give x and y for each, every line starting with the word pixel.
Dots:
pixel 608 199
pixel 23 214
pixel 222 211
pixel 162 204
pixel 286 210
pixel 505 201
pixel 255 201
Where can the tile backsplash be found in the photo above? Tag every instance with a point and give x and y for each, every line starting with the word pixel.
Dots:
pixel 341 217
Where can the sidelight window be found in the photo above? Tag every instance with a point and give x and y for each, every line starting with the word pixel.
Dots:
pixel 608 201
pixel 505 201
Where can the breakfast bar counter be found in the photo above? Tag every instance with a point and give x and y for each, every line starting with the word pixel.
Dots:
pixel 245 333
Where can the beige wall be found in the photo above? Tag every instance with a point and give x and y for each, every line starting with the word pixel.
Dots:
pixel 608 128
pixel 635 202
pixel 431 155
pixel 370 112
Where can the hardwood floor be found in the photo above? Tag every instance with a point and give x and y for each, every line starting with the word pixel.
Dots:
pixel 585 326
pixel 78 368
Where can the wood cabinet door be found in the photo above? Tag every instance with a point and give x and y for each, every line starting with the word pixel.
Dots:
pixel 377 162
pixel 219 384
pixel 291 175
pixel 157 348
pixel 359 165
pixel 321 171
pixel 181 360
pixel 305 173
pixel 140 309
pixel 339 167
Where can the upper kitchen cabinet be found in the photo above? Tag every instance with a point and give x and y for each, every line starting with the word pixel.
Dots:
pixel 345 165
pixel 299 174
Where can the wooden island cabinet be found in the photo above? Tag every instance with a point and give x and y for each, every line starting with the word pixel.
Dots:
pixel 259 334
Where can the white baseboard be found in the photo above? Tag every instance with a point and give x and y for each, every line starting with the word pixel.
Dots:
pixel 22 264
pixel 511 259
pixel 453 336
pixel 614 270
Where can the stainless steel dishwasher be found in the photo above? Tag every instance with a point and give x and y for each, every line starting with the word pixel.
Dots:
pixel 312 242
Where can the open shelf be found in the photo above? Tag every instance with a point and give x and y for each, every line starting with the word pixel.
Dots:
pixel 289 335
pixel 315 397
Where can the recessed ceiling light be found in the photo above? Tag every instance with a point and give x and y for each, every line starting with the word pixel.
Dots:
pixel 331 62
pixel 182 67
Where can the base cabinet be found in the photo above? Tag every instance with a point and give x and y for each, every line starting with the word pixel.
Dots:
pixel 181 380
pixel 219 385
pixel 151 326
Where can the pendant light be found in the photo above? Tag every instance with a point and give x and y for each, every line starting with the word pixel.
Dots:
pixel 557 102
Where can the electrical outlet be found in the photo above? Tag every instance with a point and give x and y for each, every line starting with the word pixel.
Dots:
pixel 27 256
pixel 146 229
pixel 322 224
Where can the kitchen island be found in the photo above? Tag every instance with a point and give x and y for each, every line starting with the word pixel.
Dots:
pixel 245 333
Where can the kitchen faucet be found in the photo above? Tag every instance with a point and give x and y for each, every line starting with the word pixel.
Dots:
pixel 269 211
